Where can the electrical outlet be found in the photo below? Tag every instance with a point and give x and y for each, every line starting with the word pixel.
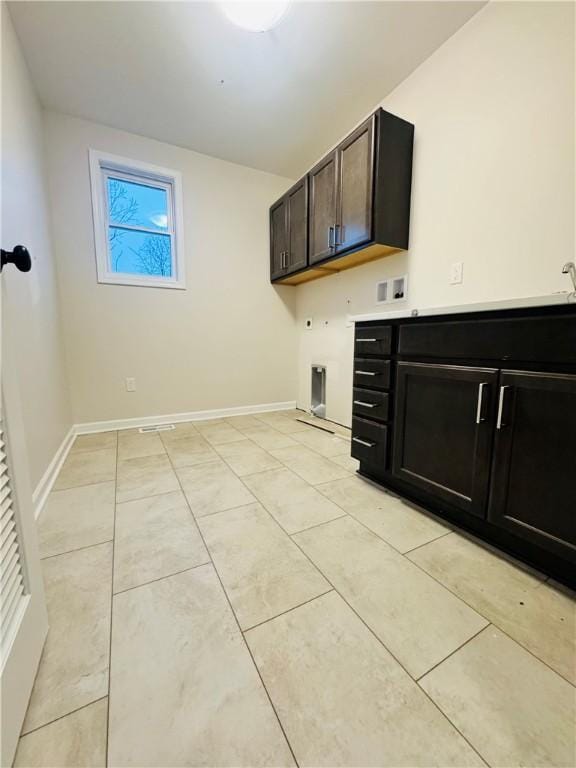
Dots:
pixel 130 385
pixel 456 273
pixel 308 323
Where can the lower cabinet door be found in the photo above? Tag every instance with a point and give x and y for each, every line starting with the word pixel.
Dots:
pixel 443 430
pixel 534 468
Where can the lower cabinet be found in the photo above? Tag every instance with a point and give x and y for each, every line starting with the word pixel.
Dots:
pixel 534 464
pixel 443 431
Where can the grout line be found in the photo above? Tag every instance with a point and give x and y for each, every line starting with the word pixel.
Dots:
pixel 288 610
pixel 106 759
pixel 316 525
pixel 160 578
pixel 77 549
pixel 82 485
pixel 236 619
pixel 472 637
pixel 425 544
pixel 61 717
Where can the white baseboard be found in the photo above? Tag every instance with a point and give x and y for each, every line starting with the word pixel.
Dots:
pixel 175 418
pixel 47 480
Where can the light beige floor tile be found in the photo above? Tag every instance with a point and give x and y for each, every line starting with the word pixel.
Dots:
pixel 133 444
pixel 145 476
pixel 213 487
pixel 185 690
pixel 245 457
pixel 401 525
pixel 181 430
pixel 190 450
pixel 75 741
pixel 309 465
pixel 268 438
pixel 263 571
pixel 537 615
pixel 341 697
pixel 291 500
pixel 155 537
pixel 243 422
pixel 86 468
pixel 347 462
pixel 279 421
pixel 77 517
pixel 219 434
pixel 96 442
pixel 323 443
pixel 73 670
pixel 418 620
pixel 512 708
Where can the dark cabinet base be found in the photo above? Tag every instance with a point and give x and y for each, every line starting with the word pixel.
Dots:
pixel 519 548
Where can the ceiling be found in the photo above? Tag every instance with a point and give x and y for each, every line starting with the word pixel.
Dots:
pixel 181 73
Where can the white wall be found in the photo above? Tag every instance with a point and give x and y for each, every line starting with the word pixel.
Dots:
pixel 493 182
pixel 228 340
pixel 30 321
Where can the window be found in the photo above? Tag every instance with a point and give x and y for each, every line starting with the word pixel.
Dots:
pixel 137 222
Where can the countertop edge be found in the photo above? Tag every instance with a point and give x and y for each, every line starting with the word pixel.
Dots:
pixel 551 300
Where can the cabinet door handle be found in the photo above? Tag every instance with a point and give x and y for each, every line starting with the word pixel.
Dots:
pixel 363 442
pixel 365 405
pixel 499 420
pixel 365 373
pixel 479 417
pixel 366 339
pixel 330 237
pixel 336 230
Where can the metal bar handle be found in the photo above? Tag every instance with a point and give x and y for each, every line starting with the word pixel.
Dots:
pixel 330 237
pixel 363 442
pixel 336 230
pixel 365 405
pixel 479 418
pixel 361 339
pixel 365 373
pixel 499 423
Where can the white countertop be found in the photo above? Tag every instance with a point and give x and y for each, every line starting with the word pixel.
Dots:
pixel 552 299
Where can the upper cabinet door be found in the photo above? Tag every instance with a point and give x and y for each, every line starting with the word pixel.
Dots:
pixel 355 157
pixel 322 180
pixel 443 430
pixel 534 463
pixel 297 200
pixel 278 238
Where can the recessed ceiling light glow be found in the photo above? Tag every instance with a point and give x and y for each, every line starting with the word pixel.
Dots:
pixel 257 16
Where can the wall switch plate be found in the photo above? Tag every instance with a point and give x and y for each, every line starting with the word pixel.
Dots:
pixel 130 385
pixel 456 273
pixel 308 323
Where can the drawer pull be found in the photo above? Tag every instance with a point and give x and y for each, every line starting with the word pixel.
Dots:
pixel 365 405
pixel 366 339
pixel 363 442
pixel 366 373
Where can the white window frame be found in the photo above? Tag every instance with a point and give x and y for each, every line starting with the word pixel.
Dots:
pixel 104 165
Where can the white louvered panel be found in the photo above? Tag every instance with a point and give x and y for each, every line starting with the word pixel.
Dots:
pixel 11 576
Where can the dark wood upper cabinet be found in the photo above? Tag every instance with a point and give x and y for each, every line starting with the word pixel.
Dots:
pixel 289 231
pixel 359 200
pixel 322 181
pixel 534 465
pixel 444 423
pixel 355 158
pixel 278 237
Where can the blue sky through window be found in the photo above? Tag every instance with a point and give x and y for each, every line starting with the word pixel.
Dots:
pixel 137 252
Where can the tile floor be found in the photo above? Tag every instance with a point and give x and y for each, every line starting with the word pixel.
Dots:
pixel 229 593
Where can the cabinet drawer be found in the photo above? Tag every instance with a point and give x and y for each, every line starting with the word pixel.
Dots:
pixel 374 340
pixel 371 374
pixel 372 404
pixel 526 339
pixel 369 442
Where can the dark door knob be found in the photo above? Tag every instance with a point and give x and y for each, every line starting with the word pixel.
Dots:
pixel 20 257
